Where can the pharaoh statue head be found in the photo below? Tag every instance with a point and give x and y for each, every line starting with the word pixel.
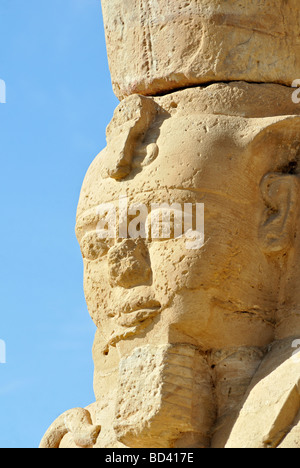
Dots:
pixel 233 148
pixel 188 223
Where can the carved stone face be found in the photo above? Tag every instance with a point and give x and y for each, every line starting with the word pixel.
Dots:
pixel 191 150
pixel 181 331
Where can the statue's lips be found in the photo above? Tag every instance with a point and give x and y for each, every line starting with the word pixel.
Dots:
pixel 131 322
pixel 136 304
pixel 133 318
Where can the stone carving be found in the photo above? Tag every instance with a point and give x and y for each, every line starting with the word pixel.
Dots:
pixel 271 407
pixel 182 333
pixel 78 424
pixel 159 46
pixel 195 347
pixel 172 398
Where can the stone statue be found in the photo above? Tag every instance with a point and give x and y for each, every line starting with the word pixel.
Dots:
pixel 196 347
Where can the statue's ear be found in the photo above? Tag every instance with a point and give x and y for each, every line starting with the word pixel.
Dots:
pixel 274 143
pixel 281 195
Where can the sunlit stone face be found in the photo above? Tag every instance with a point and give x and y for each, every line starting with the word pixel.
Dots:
pixel 193 325
pixel 222 294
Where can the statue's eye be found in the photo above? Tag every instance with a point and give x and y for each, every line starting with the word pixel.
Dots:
pixel 93 247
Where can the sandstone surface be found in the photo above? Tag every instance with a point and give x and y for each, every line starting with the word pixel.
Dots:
pixel 194 346
pixel 157 46
pixel 188 223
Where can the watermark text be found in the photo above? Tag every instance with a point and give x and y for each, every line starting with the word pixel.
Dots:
pixel 296 93
pixel 296 353
pixel 2 92
pixel 2 352
pixel 159 221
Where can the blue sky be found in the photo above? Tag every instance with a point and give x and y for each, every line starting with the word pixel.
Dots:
pixel 59 102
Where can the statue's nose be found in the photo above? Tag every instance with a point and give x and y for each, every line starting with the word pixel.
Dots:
pixel 129 264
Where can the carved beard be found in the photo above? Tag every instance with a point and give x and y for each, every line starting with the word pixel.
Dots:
pixel 176 396
pixel 165 396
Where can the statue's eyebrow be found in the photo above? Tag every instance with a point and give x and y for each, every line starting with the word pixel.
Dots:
pixel 86 222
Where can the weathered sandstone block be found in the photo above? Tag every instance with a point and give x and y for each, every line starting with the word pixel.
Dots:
pixel 155 46
pixel 172 396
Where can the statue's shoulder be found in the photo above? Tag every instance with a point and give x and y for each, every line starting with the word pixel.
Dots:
pixel 270 413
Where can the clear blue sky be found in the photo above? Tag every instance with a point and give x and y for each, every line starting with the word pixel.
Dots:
pixel 59 101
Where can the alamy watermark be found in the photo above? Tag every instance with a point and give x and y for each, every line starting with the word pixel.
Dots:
pixel 2 352
pixel 296 93
pixel 296 353
pixel 2 342
pixel 2 92
pixel 160 221
pixel 296 100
